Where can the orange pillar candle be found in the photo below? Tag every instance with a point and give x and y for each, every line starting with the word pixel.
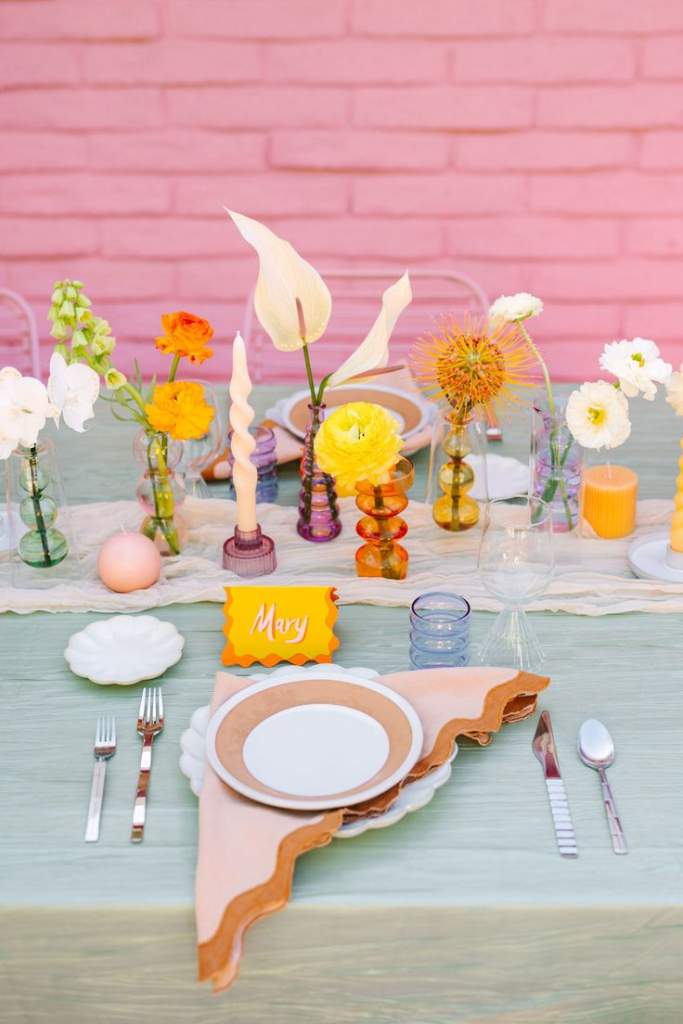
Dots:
pixel 677 520
pixel 609 500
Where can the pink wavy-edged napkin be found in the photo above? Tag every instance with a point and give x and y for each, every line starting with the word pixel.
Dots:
pixel 247 851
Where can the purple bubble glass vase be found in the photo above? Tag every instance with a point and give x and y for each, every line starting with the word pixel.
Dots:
pixel 318 509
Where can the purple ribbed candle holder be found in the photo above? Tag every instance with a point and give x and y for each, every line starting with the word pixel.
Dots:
pixel 249 553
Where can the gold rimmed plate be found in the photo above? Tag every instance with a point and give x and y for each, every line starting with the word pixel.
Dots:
pixel 411 413
pixel 312 743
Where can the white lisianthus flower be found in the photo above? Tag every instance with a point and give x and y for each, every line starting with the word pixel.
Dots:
pixel 512 308
pixel 74 390
pixel 637 365
pixel 674 391
pixel 597 415
pixel 24 408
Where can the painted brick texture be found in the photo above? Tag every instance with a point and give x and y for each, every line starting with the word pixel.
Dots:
pixel 534 144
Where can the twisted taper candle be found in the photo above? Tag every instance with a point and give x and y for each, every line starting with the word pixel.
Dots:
pixel 677 518
pixel 244 473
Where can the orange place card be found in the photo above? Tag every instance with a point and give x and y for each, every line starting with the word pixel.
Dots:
pixel 273 624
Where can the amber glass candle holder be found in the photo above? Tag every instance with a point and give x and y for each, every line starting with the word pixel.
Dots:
pixel 381 526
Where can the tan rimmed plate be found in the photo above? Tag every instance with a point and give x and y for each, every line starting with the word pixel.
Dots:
pixel 411 413
pixel 312 743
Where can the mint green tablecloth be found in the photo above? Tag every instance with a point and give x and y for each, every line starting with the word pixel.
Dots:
pixel 463 912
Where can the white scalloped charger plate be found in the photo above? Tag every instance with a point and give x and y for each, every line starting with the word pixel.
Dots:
pixel 412 797
pixel 124 649
pixel 411 410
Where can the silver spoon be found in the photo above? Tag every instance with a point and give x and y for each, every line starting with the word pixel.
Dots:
pixel 596 749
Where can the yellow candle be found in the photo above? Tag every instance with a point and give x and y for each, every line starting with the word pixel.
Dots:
pixel 677 519
pixel 609 500
pixel 244 472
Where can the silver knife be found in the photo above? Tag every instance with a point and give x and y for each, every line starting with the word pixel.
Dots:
pixel 545 750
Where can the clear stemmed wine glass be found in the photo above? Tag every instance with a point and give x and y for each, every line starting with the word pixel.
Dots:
pixel 516 563
pixel 200 453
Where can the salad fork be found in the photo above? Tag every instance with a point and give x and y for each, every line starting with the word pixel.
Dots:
pixel 150 723
pixel 105 747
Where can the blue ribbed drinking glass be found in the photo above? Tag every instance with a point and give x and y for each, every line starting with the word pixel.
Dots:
pixel 440 631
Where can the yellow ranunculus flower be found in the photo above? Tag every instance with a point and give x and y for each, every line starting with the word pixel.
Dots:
pixel 359 441
pixel 179 410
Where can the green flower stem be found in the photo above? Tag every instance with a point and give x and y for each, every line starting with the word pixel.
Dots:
pixel 309 373
pixel 544 368
pixel 556 462
pixel 174 369
pixel 164 504
pixel 37 508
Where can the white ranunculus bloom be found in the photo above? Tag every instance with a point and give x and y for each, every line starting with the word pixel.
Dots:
pixel 512 308
pixel 637 365
pixel 674 391
pixel 73 389
pixel 597 415
pixel 24 407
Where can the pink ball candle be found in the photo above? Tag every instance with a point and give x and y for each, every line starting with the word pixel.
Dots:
pixel 128 561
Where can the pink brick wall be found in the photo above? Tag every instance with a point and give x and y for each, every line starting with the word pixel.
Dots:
pixel 534 144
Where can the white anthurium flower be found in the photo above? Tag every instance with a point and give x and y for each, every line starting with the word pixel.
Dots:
pixel 637 365
pixel 513 308
pixel 24 408
pixel 373 352
pixel 73 389
pixel 283 278
pixel 597 415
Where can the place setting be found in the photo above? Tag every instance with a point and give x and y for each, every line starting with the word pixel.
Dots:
pixel 282 747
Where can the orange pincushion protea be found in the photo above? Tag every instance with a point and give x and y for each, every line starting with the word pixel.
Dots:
pixel 473 366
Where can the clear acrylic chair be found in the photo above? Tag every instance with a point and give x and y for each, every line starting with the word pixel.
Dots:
pixel 19 345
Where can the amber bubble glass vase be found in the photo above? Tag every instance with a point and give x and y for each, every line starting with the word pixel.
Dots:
pixel 453 509
pixel 382 526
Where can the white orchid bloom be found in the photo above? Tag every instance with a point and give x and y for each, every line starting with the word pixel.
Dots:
pixel 283 278
pixel 637 365
pixel 373 352
pixel 8 373
pixel 597 415
pixel 73 389
pixel 24 408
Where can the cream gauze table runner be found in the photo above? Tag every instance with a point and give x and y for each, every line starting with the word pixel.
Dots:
pixel 592 576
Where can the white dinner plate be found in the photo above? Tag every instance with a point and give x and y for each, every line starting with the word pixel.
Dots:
pixel 412 412
pixel 306 741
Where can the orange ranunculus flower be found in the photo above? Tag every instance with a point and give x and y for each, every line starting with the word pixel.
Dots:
pixel 186 335
pixel 179 410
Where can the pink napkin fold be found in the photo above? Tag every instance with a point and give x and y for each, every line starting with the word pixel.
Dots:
pixel 247 850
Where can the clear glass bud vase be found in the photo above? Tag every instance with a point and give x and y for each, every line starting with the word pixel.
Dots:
pixel 457 463
pixel 318 510
pixel 557 463
pixel 160 491
pixel 36 496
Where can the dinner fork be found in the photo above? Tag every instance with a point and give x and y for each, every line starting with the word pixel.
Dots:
pixel 105 747
pixel 150 723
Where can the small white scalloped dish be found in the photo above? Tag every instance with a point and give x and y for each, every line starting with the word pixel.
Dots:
pixel 124 650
